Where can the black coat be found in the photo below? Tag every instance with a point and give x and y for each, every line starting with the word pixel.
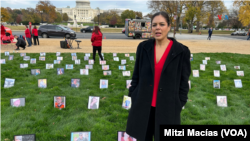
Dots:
pixel 173 88
pixel 20 42
pixel 210 31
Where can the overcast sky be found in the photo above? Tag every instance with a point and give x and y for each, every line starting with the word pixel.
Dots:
pixel 136 5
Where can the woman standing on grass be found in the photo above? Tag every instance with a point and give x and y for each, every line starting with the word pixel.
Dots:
pixel 159 84
pixel 35 35
pixel 28 36
pixel 96 40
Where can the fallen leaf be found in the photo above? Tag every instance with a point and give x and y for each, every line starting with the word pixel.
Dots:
pixel 243 118
pixel 104 98
pixel 53 123
pixel 35 109
pixel 64 135
pixel 189 100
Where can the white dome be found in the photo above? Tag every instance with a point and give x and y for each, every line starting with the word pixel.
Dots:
pixel 82 4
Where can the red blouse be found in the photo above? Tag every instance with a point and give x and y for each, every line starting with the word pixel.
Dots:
pixel 158 69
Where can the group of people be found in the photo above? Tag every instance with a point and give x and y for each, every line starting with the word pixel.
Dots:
pixel 29 33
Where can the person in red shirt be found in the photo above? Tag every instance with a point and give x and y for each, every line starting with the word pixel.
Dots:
pixel 159 85
pixel 2 30
pixel 30 28
pixel 35 35
pixel 27 35
pixel 96 40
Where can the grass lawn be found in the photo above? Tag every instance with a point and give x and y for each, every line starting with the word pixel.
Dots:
pixel 50 124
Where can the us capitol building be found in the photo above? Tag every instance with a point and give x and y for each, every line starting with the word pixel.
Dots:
pixel 83 11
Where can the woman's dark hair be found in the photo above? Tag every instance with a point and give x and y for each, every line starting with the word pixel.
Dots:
pixel 164 14
pixel 97 29
pixel 34 27
pixel 26 26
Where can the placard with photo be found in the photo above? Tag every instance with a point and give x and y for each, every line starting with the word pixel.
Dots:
pixel 195 73
pixel 58 53
pixel 42 83
pixel 49 66
pixel 23 65
pixel 27 137
pixel 123 62
pixel 26 58
pixel 216 84
pixel 35 71
pixel 240 73
pixel 77 61
pixel 74 58
pixel 3 61
pixel 103 62
pixel 42 58
pixel 86 58
pixel 131 58
pixel 87 54
pixel 237 67
pixel 69 66
pixel 116 58
pixel 128 83
pixel 123 136
pixel 207 58
pixel 11 57
pixel 60 71
pixel 202 67
pixel 126 73
pixel 22 54
pixel 57 62
pixel 9 82
pixel 59 102
pixel 127 55
pixel 189 83
pixel 103 83
pixel 105 67
pixel 6 53
pixel 218 62
pixel 238 83
pixel 59 58
pixel 91 61
pixel 93 102
pixel 84 71
pixel 33 61
pixel 88 66
pixel 191 58
pixel 73 54
pixel 114 54
pixel 17 102
pixel 221 101
pixel 204 62
pixel 106 73
pixel 80 136
pixel 223 67
pixel 216 73
pixel 75 83
pixel 42 54
pixel 122 67
pixel 126 103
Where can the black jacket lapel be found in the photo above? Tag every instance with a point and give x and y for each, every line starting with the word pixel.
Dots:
pixel 174 51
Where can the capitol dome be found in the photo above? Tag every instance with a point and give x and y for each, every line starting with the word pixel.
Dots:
pixel 83 4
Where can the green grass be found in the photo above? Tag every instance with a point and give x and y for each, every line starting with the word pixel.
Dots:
pixel 50 124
